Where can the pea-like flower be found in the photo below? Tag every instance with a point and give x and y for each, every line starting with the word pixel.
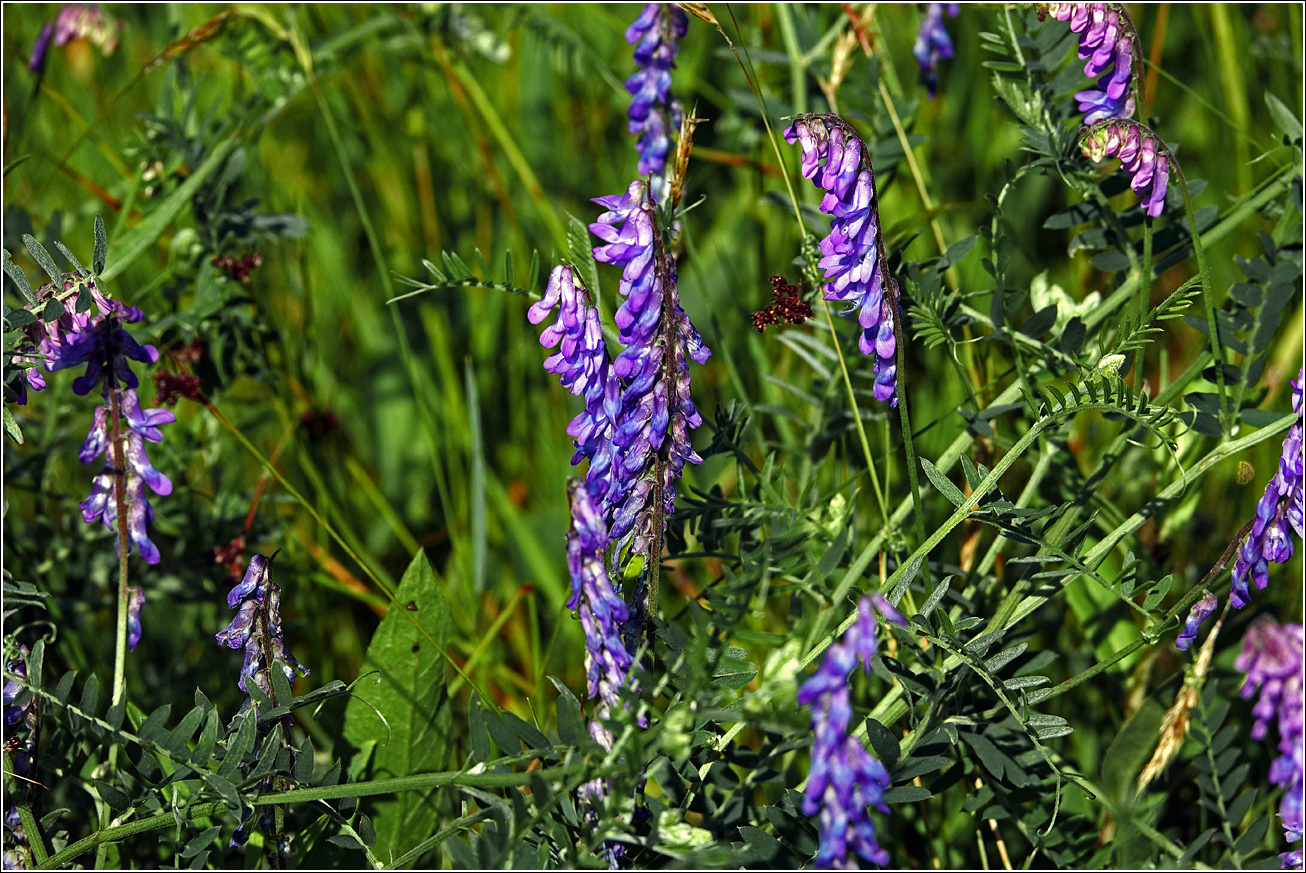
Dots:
pixel 654 113
pixel 22 722
pixel 1278 513
pixel 1141 153
pixel 1271 658
pixel 856 270
pixel 933 44
pixel 46 339
pixel 845 780
pixel 1201 611
pixel 77 21
pixel 657 411
pixel 585 368
pixel 1107 41
pixel 105 348
pixel 257 628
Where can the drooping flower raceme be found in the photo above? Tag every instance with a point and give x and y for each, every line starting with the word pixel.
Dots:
pixel 657 412
pixel 585 369
pixel 257 628
pixel 603 614
pixel 1278 513
pixel 654 113
pixel 933 43
pixel 1141 153
pixel 845 780
pixel 105 348
pixel 21 723
pixel 1107 41
pixel 854 259
pixel 1271 658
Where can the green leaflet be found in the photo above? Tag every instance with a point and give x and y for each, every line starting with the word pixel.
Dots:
pixel 412 698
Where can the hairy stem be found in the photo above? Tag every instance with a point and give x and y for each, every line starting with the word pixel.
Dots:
pixel 120 499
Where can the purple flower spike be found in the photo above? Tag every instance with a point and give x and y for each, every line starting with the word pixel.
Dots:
pixel 845 780
pixel 1278 513
pixel 584 367
pixel 1200 612
pixel 1272 659
pixel 135 602
pixel 21 743
pixel 603 614
pixel 258 625
pixel 654 113
pixel 854 258
pixel 1141 153
pixel 1106 40
pixel 657 411
pixel 933 44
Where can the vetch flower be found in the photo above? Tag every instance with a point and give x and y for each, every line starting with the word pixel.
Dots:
pixel 135 603
pixel 657 411
pixel 1107 40
pixel 856 269
pixel 603 614
pixel 653 112
pixel 1201 610
pixel 1141 153
pixel 845 780
pixel 47 339
pixel 257 629
pixel 1278 513
pixel 76 21
pixel 584 367
pixel 1271 657
pixel 21 745
pixel 933 44
pixel 105 348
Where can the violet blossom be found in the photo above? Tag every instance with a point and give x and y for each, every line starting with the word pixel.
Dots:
pixel 657 411
pixel 933 43
pixel 845 780
pixel 1107 41
pixel 77 21
pixel 1278 513
pixel 105 348
pixel 22 750
pixel 46 339
pixel 1141 153
pixel 854 259
pixel 1271 658
pixel 1201 611
pixel 653 112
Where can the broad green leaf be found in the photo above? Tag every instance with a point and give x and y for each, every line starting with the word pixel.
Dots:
pixel 1130 750
pixel 943 484
pixel 412 696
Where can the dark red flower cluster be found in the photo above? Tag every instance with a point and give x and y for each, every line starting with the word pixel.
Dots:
pixel 788 306
pixel 238 268
pixel 171 387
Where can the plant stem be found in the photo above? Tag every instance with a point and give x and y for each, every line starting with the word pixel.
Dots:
pixel 120 499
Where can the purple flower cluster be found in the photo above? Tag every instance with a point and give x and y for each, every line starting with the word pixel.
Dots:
pixel 585 369
pixel 933 44
pixel 17 855
pixel 854 263
pixel 657 412
pixel 46 339
pixel 845 780
pixel 1200 612
pixel 105 348
pixel 603 614
pixel 1272 659
pixel 653 112
pixel 1141 153
pixel 77 21
pixel 257 628
pixel 1106 40
pixel 1278 513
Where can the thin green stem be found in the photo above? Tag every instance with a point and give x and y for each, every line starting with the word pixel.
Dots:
pixel 120 499
pixel 1208 294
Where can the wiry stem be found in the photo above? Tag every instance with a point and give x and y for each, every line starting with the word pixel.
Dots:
pixel 120 499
